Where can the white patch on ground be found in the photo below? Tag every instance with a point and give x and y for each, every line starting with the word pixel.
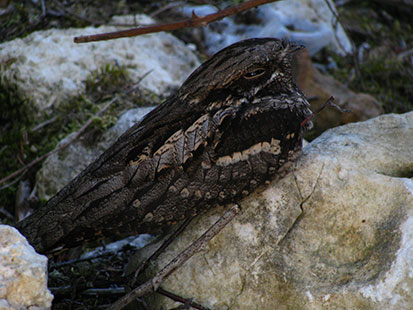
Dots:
pixel 137 242
pixel 409 185
pixel 246 232
pixel 310 296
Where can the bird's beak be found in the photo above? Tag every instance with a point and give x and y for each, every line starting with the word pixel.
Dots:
pixel 295 47
pixel 290 48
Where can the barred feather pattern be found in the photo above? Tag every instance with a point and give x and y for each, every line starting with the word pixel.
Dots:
pixel 232 126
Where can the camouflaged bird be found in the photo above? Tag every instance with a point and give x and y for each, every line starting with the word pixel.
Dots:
pixel 232 125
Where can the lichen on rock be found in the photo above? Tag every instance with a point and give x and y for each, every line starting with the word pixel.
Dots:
pixel 23 273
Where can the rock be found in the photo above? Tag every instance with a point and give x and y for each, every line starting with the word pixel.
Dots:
pixel 309 22
pixel 61 167
pixel 47 67
pixel 23 274
pixel 337 233
pixel 320 87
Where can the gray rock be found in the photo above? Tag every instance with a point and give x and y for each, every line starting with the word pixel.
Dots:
pixel 47 66
pixel 61 167
pixel 23 274
pixel 337 233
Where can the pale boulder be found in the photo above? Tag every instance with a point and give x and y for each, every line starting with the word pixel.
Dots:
pixel 23 274
pixel 47 66
pixel 337 233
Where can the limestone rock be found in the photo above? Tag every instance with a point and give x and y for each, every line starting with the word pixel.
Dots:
pixel 60 168
pixel 47 66
pixel 23 274
pixel 337 233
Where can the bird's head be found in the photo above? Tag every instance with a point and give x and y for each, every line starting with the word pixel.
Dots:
pixel 242 70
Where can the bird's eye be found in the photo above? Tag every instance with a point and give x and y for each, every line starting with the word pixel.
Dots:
pixel 254 74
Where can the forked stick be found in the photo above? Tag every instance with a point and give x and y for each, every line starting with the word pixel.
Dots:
pixel 153 284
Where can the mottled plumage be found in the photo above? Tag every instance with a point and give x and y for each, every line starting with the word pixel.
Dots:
pixel 230 127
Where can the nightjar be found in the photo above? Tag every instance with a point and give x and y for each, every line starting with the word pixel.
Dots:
pixel 231 126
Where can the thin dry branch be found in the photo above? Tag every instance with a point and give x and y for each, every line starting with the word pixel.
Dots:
pixel 153 284
pixel 161 249
pixel 330 103
pixel 194 21
pixel 184 301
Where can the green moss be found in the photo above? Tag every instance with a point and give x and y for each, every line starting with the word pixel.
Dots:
pixel 391 81
pixel 14 121
pixel 107 80
pixel 383 70
pixel 387 79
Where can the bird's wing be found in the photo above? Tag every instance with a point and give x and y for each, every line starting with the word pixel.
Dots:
pixel 107 186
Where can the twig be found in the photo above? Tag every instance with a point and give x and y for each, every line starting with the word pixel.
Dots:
pixel 6 213
pixel 329 102
pixel 41 125
pixel 80 260
pixel 64 11
pixel 85 19
pixel 153 284
pixel 167 7
pixel 404 54
pixel 159 251
pixel 104 291
pixel 194 21
pixel 61 290
pixel 44 10
pixel 180 299
pixel 12 182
